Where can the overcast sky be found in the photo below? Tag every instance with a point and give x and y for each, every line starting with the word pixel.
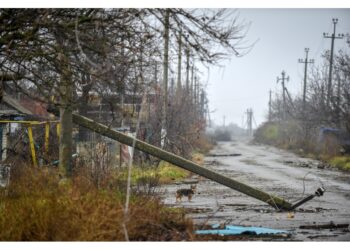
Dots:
pixel 282 35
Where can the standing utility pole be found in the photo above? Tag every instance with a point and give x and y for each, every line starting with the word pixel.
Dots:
pixel 187 70
pixel 283 92
pixel 338 102
pixel 250 121
pixel 306 61
pixel 333 36
pixel 202 102
pixel 165 73
pixel 196 87
pixel 178 88
pixel 270 108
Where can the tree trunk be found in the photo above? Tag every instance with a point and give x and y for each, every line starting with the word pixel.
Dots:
pixel 66 121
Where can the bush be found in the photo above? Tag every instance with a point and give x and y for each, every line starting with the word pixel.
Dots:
pixel 38 206
pixel 222 135
pixel 268 133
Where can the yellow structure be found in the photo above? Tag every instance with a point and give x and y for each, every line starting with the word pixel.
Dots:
pixel 29 125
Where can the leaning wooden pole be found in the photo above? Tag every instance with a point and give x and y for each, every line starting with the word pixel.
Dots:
pixel 274 201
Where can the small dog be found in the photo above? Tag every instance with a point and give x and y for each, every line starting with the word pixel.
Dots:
pixel 185 192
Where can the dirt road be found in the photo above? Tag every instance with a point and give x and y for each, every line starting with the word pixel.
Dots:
pixel 277 172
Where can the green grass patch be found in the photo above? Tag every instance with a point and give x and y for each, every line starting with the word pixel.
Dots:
pixel 341 162
pixel 169 173
pixel 163 174
pixel 271 132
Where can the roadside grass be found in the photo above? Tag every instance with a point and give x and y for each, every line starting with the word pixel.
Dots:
pixel 341 162
pixel 39 206
pixel 329 152
pixel 164 173
pixel 169 173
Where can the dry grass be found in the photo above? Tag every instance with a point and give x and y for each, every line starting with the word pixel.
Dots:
pixel 39 206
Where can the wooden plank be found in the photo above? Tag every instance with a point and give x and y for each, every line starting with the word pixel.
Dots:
pixel 31 144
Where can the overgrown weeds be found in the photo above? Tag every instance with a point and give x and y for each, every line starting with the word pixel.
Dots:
pixel 40 206
pixel 293 138
pixel 341 162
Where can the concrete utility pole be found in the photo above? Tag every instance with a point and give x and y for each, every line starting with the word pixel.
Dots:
pixel 187 69
pixel 250 121
pixel 270 105
pixel 192 81
pixel 338 102
pixel 333 37
pixel 165 73
pixel 178 88
pixel 202 102
pixel 196 88
pixel 283 78
pixel 306 61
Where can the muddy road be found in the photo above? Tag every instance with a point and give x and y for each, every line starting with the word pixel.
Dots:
pixel 277 172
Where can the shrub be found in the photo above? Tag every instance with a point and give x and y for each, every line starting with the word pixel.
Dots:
pixel 39 206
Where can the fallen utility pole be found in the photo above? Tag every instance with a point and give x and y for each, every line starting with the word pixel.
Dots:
pixel 274 201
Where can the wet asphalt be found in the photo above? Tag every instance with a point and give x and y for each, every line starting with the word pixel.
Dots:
pixel 277 172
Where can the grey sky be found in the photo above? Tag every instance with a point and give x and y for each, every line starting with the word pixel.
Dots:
pixel 283 34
